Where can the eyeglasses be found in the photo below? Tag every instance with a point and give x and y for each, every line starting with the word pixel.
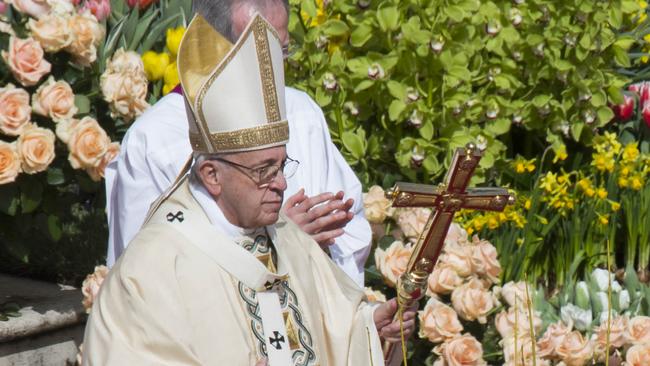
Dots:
pixel 265 175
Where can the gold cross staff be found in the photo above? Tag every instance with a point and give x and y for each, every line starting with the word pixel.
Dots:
pixel 445 200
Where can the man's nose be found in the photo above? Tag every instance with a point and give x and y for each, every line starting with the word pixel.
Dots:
pixel 279 182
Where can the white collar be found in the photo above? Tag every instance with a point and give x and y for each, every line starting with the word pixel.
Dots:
pixel 214 213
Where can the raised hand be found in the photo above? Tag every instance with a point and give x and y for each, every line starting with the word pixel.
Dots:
pixel 322 216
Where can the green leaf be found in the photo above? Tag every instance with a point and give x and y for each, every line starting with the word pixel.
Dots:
pixel 9 199
pixel 388 18
pixel 396 89
pixel 130 25
pixel 605 114
pixel 335 28
pixel 413 33
pixel 363 85
pixel 431 164
pixel 426 131
pixel 82 103
pixel 360 35
pixel 156 33
pixel 621 57
pixel 598 99
pixel 143 27
pixel 455 13
pixel 309 7
pixel 576 130
pixel 55 176
pixel 498 126
pixel 541 100
pixel 54 227
pixel 625 43
pixel 615 95
pixel 395 109
pixel 629 6
pixel 31 194
pixel 353 144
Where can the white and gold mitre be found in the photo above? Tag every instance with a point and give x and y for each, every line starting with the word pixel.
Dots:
pixel 234 94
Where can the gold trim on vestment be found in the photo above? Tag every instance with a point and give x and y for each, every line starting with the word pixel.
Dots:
pixel 269 134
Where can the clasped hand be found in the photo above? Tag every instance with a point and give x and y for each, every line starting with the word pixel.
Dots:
pixel 322 216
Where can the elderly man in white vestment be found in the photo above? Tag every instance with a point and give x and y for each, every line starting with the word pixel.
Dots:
pixel 217 275
pixel 155 148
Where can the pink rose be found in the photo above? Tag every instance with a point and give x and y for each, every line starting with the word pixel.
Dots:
pixel 392 262
pixel 36 149
pixel 484 259
pixel 25 59
pixel 551 340
pixel 639 330
pixel 91 285
pixel 97 173
pixel 54 99
pixel 9 162
pixel 438 322
pixel 618 333
pixel 460 351
pixel 575 350
pixel 87 143
pixel 472 301
pixel 505 322
pixel 101 9
pixel 33 8
pixel 443 279
pixel 638 355
pixel 15 111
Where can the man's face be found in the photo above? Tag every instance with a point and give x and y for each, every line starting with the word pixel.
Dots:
pixel 274 12
pixel 241 200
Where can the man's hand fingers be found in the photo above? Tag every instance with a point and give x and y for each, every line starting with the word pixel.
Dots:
pixel 310 202
pixel 295 199
pixel 325 209
pixel 385 311
pixel 393 330
pixel 331 221
pixel 327 237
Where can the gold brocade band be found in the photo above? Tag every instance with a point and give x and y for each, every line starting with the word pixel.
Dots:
pixel 269 135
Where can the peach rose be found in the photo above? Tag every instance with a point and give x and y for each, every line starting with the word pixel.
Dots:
pixel 575 350
pixel 126 93
pixel 33 8
pixel 36 149
pixel 392 262
pixel 91 285
pixel 87 34
pixel 524 352
pixel 512 290
pixel 54 99
pixel 376 205
pixel 97 173
pixel 460 351
pixel 51 31
pixel 618 333
pixel 472 301
pixel 505 322
pixel 459 257
pixel 443 279
pixel 412 221
pixel 25 60
pixel 374 295
pixel 123 61
pixel 15 111
pixel 64 129
pixel 9 162
pixel 638 355
pixel 87 143
pixel 551 340
pixel 438 322
pixel 484 259
pixel 639 330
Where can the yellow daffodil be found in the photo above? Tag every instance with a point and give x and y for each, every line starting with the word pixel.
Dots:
pixel 603 219
pixel 602 193
pixel 173 39
pixel 631 152
pixel 584 184
pixel 492 223
pixel 615 205
pixel 549 182
pixel 604 162
pixel 171 78
pixel 522 165
pixel 623 182
pixel 636 182
pixel 470 230
pixel 625 170
pixel 542 220
pixel 520 241
pixel 155 64
pixel 527 204
pixel 321 15
pixel 560 154
pixel 590 192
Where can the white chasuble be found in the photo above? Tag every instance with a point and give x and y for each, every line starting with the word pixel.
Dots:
pixel 186 293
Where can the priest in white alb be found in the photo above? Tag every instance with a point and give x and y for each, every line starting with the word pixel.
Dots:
pixel 217 276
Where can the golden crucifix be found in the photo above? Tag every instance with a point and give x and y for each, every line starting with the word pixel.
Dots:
pixel 444 200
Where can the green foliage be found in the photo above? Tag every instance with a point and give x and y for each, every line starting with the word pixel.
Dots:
pixel 421 77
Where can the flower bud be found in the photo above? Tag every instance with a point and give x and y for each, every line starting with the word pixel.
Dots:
pixel 416 119
pixel 517 119
pixel 417 158
pixel 375 71
pixel 539 50
pixel 493 28
pixel 412 94
pixel 589 116
pixel 352 108
pixel 515 16
pixel 437 44
pixel 329 82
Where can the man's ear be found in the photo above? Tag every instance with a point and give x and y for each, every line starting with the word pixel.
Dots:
pixel 211 178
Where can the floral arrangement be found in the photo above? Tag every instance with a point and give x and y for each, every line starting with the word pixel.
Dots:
pixel 469 319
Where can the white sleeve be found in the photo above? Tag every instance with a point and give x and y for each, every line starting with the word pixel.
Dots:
pixel 323 169
pixel 132 184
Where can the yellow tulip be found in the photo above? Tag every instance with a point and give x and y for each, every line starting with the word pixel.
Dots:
pixel 155 64
pixel 171 78
pixel 173 39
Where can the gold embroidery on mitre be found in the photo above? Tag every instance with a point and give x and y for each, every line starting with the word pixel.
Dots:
pixel 249 138
pixel 266 72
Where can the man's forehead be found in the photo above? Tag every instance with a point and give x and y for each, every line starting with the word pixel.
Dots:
pixel 269 155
